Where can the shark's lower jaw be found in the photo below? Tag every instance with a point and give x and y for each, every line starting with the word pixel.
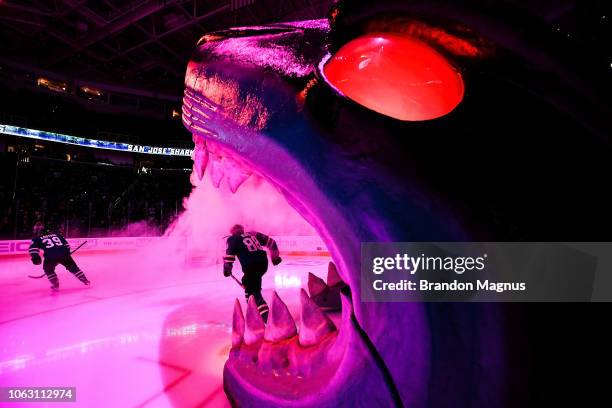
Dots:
pixel 280 362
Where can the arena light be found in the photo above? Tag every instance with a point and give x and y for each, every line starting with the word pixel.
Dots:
pixel 55 86
pixel 91 93
pixel 92 143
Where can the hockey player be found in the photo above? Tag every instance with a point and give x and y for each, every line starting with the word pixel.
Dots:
pixel 56 250
pixel 248 247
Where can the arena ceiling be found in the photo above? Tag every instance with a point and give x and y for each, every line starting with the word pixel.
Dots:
pixel 138 47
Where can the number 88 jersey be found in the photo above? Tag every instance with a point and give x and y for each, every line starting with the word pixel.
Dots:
pixel 247 247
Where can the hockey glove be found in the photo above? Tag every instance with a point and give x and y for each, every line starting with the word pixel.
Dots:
pixel 36 260
pixel 277 260
pixel 227 269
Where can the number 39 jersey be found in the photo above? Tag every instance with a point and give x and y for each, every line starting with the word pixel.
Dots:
pixel 247 247
pixel 53 245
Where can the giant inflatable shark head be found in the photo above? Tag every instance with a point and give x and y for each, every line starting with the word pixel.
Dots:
pixel 396 121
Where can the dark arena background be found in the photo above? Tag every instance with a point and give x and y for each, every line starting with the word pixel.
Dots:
pixel 160 160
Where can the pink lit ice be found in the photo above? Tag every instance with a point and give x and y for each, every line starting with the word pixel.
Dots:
pixel 137 337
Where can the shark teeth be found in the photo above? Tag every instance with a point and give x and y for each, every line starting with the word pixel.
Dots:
pixel 317 336
pixel 326 295
pixel 235 174
pixel 206 154
pixel 237 325
pixel 316 285
pixel 333 277
pixel 216 170
pixel 281 325
pixel 200 157
pixel 279 336
pixel 280 349
pixel 314 324
pixel 254 327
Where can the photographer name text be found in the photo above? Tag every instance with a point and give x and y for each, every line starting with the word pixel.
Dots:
pixel 406 264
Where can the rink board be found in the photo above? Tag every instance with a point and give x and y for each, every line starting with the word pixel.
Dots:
pixel 289 245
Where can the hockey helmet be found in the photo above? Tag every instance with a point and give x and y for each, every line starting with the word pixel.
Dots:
pixel 237 229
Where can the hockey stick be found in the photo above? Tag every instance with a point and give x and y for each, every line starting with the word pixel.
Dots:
pixel 71 252
pixel 237 281
pixel 77 248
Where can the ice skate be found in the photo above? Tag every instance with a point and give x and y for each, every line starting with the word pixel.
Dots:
pixel 81 276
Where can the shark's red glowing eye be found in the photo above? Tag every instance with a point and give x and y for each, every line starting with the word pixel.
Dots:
pixel 397 76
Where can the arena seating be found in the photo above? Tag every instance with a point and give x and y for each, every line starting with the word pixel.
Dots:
pixel 87 198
